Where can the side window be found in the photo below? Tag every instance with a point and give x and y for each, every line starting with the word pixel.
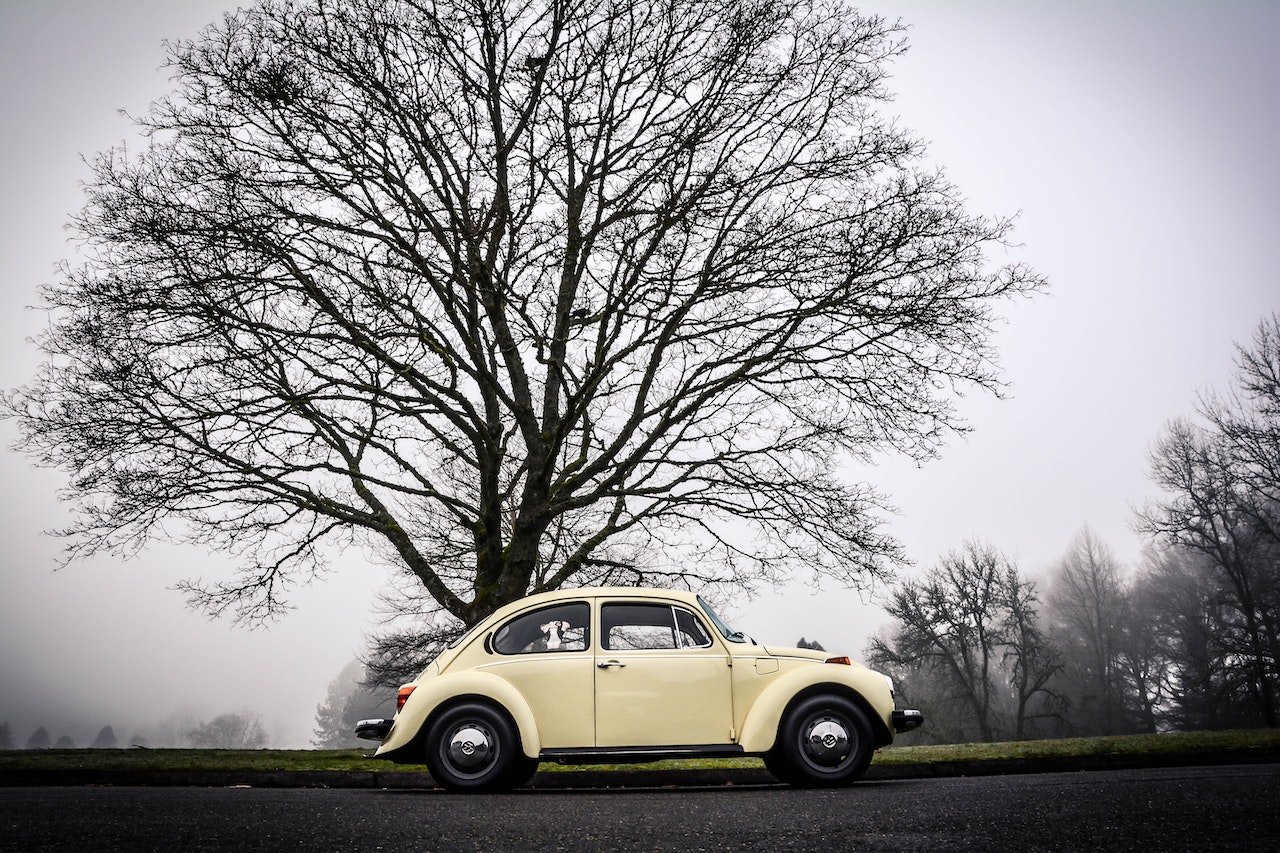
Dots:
pixel 562 628
pixel 692 634
pixel 650 626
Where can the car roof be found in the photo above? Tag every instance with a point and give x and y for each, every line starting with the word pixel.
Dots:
pixel 631 592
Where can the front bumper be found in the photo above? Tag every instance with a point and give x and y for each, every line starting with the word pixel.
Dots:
pixel 905 721
pixel 373 729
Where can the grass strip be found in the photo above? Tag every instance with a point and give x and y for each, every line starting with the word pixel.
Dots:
pixel 1220 741
pixel 286 760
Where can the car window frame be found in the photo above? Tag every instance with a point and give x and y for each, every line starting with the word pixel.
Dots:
pixel 492 640
pixel 678 633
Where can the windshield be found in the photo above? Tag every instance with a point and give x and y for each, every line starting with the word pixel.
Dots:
pixel 721 625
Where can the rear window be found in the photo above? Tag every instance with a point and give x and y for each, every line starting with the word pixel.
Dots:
pixel 560 628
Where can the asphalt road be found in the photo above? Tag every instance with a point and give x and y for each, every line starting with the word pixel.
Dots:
pixel 1213 808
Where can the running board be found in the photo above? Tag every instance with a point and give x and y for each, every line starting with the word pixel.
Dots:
pixel 635 754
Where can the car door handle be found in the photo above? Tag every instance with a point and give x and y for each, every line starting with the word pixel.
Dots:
pixel 606 664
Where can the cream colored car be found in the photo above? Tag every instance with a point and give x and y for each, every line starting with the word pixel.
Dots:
pixel 624 674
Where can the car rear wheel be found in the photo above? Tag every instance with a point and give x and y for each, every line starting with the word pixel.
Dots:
pixel 473 747
pixel 824 741
pixel 522 770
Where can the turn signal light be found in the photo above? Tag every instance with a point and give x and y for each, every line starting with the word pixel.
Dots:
pixel 403 695
pixel 842 659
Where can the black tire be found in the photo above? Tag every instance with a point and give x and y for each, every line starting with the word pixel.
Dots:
pixel 777 764
pixel 474 747
pixel 521 771
pixel 824 741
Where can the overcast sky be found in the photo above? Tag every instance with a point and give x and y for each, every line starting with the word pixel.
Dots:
pixel 1135 140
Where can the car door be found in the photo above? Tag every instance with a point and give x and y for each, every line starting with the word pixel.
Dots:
pixel 546 654
pixel 662 679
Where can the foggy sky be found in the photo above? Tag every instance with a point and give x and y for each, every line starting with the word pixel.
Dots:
pixel 1135 142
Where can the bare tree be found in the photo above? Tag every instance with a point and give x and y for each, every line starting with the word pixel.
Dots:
pixel 1223 487
pixel 971 626
pixel 1087 608
pixel 1247 417
pixel 1213 514
pixel 1143 659
pixel 1031 659
pixel 525 295
pixel 1191 669
pixel 238 730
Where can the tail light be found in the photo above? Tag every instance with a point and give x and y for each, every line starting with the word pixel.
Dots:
pixel 842 659
pixel 403 695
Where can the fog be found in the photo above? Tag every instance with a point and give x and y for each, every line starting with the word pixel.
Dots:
pixel 1135 140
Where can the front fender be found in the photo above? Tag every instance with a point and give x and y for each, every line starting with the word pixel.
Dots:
pixel 433 693
pixel 864 686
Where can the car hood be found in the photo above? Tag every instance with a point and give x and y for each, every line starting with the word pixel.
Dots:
pixel 806 654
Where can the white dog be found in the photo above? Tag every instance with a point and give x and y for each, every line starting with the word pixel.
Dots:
pixel 554 633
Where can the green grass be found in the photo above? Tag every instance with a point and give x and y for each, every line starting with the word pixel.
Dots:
pixel 187 759
pixel 278 760
pixel 1118 745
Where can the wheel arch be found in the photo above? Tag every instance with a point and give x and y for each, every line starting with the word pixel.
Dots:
pixel 764 720
pixel 405 742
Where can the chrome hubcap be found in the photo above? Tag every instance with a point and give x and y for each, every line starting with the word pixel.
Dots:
pixel 826 742
pixel 470 746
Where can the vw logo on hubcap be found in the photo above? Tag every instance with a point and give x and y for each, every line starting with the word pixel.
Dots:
pixel 470 747
pixel 827 742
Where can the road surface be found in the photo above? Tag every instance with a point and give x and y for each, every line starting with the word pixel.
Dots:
pixel 1233 808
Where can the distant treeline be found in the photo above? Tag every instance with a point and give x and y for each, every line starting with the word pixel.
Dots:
pixel 232 730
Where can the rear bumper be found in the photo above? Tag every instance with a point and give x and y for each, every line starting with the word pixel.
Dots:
pixel 373 729
pixel 905 721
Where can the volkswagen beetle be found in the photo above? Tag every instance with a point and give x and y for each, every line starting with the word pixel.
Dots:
pixel 623 674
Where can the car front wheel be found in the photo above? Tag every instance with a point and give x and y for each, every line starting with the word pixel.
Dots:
pixel 473 747
pixel 824 741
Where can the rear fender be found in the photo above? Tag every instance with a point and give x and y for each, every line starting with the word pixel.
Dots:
pixel 434 694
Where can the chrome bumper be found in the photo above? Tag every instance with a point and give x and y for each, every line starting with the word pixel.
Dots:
pixel 905 721
pixel 373 729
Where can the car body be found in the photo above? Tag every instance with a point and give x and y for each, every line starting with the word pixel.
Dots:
pixel 618 674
